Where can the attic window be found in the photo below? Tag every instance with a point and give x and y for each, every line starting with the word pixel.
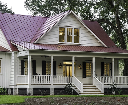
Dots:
pixel 68 35
pixel 61 34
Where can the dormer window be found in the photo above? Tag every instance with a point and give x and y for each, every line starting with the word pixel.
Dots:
pixel 61 34
pixel 68 35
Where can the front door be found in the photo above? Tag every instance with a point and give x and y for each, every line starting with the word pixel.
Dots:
pixel 68 71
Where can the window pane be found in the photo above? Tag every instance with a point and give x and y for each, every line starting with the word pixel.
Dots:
pixel 48 68
pixel 76 35
pixel 26 67
pixel 61 34
pixel 69 34
pixel 88 70
pixel 106 69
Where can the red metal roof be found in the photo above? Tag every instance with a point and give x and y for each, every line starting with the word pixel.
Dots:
pixel 69 47
pixel 99 32
pixel 24 30
pixel 20 27
pixel 3 49
pixel 49 23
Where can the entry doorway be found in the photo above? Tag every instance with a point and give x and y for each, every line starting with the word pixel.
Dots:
pixel 67 69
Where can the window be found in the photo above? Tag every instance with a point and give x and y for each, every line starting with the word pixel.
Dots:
pixel 26 67
pixel 106 69
pixel 88 69
pixel 70 35
pixel 0 67
pixel 61 34
pixel 76 35
pixel 67 69
pixel 48 68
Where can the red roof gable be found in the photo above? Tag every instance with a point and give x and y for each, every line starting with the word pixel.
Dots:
pixel 99 32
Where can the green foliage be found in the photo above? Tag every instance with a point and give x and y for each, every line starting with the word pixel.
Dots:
pixel 68 89
pixel 8 99
pixel 4 8
pixel 113 88
pixel 52 7
pixel 3 90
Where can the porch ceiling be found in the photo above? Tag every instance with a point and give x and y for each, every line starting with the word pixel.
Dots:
pixel 73 53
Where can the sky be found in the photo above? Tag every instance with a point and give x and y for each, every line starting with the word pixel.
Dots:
pixel 17 6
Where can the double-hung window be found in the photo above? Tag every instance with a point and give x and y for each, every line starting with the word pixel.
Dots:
pixel 68 35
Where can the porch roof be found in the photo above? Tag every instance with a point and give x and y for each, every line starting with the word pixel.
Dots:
pixel 32 46
pixel 3 49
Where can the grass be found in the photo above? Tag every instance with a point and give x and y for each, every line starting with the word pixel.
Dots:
pixel 8 99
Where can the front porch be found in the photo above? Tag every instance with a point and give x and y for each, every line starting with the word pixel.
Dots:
pixel 60 69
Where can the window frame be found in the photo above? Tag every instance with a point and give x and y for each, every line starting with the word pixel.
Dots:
pixel 89 69
pixel 107 64
pixel 65 37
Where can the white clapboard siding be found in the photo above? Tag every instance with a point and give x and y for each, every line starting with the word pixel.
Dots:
pixel 5 69
pixel 3 41
pixel 12 69
pixel 86 38
pixel 1 80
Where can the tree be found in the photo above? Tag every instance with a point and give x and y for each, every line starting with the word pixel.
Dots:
pixel 113 17
pixel 111 14
pixel 51 7
pixel 4 8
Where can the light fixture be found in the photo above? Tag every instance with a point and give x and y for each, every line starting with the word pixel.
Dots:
pixel 60 65
pixel 61 33
pixel 80 67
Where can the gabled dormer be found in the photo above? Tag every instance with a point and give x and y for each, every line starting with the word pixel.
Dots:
pixel 70 30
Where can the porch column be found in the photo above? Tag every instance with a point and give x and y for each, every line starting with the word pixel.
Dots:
pixel 29 74
pixel 73 59
pixel 51 70
pixel 93 61
pixel 112 69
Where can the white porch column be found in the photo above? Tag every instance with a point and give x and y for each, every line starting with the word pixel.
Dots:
pixel 73 59
pixel 51 70
pixel 29 71
pixel 112 69
pixel 93 61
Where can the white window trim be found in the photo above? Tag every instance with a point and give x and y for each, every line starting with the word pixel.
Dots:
pixel 65 37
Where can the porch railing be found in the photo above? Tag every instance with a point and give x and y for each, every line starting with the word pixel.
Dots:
pixel 61 79
pixel 46 79
pixel 41 79
pixel 121 79
pixel 99 84
pixel 22 79
pixel 117 79
pixel 77 83
pixel 105 79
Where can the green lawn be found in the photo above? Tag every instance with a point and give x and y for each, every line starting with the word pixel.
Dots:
pixel 6 99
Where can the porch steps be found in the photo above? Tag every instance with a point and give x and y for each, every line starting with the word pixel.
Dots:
pixel 89 90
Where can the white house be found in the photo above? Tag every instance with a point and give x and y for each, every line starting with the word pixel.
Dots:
pixel 49 52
